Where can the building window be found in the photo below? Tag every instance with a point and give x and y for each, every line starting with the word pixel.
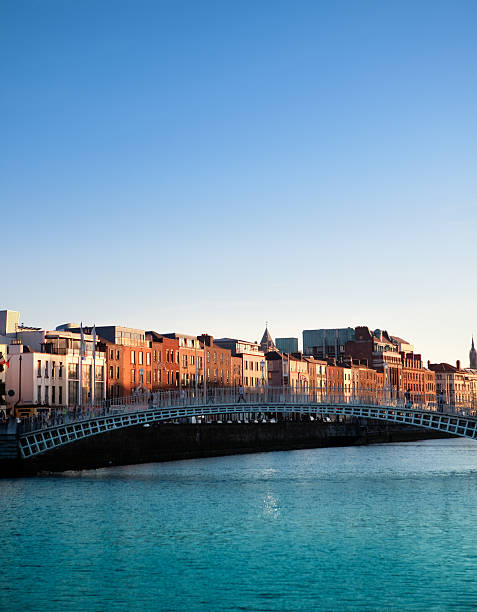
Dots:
pixel 53 367
pixel 140 356
pixel 192 360
pixel 47 394
pixel 155 376
pixel 39 369
pixel 133 376
pixel 53 395
pixel 38 394
pixel 148 358
pixel 133 357
pixel 148 376
pixel 117 354
pixel 60 395
pixel 184 361
pixel 167 355
pixel 215 357
pixel 111 354
pixel 60 371
pixel 117 372
pixel 111 372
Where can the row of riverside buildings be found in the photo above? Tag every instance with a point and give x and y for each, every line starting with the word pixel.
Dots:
pixel 78 366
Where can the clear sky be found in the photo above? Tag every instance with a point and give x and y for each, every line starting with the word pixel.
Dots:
pixel 205 166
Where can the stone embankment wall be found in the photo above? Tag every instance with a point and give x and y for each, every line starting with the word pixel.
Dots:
pixel 166 442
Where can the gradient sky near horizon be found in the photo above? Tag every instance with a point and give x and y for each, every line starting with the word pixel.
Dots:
pixel 205 166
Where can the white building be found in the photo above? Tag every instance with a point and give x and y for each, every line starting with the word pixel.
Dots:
pixel 52 377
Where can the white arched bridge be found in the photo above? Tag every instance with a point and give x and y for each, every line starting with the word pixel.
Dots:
pixel 38 436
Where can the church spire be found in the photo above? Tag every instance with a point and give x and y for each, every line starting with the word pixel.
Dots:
pixel 473 356
pixel 267 344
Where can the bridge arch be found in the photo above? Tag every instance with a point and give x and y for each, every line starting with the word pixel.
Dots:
pixel 34 443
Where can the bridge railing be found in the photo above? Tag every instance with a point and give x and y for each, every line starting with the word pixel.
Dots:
pixel 263 397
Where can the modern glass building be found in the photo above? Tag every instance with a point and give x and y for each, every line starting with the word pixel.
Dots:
pixel 287 345
pixel 323 343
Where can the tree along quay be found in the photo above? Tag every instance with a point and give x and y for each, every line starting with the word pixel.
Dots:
pixel 171 441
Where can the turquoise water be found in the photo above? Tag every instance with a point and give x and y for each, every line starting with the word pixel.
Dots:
pixel 385 527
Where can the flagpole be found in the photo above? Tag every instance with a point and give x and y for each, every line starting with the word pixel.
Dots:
pixel 80 394
pixel 93 392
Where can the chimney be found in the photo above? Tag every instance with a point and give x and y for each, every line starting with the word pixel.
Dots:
pixel 428 363
pixel 206 339
pixel 458 364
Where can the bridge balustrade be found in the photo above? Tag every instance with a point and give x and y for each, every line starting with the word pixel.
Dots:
pixel 263 397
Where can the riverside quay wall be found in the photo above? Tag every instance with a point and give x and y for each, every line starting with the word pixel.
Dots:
pixel 168 442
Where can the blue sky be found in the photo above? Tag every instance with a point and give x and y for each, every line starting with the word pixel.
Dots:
pixel 208 166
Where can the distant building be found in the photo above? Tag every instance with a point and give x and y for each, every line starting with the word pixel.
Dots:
pixel 379 351
pixel 9 322
pixel 455 386
pixel 323 343
pixel 287 345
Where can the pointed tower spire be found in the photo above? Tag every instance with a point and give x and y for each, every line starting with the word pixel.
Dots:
pixel 267 344
pixel 473 356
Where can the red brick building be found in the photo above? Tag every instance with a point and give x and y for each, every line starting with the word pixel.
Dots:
pixel 165 361
pixel 218 362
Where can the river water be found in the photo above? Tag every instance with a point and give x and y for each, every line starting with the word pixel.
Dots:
pixel 383 527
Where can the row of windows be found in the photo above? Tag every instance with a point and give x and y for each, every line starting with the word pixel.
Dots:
pixel 140 357
pixel 190 360
pixel 55 371
pixel 56 396
pixel 248 365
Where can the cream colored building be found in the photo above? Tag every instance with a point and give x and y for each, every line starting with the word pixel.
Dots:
pixel 455 386
pixel 254 364
pixel 52 378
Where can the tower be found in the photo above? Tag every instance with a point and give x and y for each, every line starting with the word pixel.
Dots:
pixel 267 344
pixel 473 356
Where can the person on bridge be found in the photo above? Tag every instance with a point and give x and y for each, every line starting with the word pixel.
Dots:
pixel 240 394
pixel 407 395
pixel 440 401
